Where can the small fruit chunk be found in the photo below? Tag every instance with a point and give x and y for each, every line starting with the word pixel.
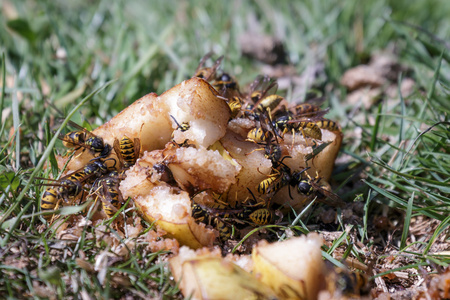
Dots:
pixel 293 268
pixel 205 275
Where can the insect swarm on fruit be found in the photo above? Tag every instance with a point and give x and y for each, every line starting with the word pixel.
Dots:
pixel 201 164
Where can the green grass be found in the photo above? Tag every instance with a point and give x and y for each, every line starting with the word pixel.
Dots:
pixel 402 153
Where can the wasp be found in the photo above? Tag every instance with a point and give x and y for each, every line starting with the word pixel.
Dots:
pixel 311 126
pixel 304 187
pixel 95 169
pixel 307 128
pixel 327 124
pixel 67 188
pixel 281 118
pixel 107 189
pixel 266 135
pixel 225 81
pixel 264 132
pixel 116 174
pixel 227 86
pixel 284 121
pixel 261 87
pixel 127 151
pixel 347 283
pixel 207 213
pixel 258 135
pixel 72 139
pixel 247 110
pixel 214 214
pixel 311 107
pixel 273 152
pixel 261 97
pixel 264 101
pixel 225 231
pixel 207 73
pixel 182 127
pixel 202 215
pixel 260 216
pixel 273 183
pixel 310 185
pixel 254 214
pixel 307 120
pixel 269 103
pixel 279 179
pixel 311 117
pixel 235 104
pixel 83 138
pixel 49 200
pixel 70 187
pixel 305 108
pixel 199 214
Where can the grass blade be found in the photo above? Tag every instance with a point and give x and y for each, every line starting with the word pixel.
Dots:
pixel 16 122
pixel 2 96
pixel 376 127
pixel 440 229
pixel 407 222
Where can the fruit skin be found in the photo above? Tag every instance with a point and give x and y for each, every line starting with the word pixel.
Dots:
pixel 167 208
pixel 190 233
pixel 206 277
pixel 293 269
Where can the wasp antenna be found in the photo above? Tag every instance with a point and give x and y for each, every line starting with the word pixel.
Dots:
pixel 304 170
pixel 251 193
pixel 173 118
pixel 281 161
pixel 289 191
pixel 198 193
pixel 111 158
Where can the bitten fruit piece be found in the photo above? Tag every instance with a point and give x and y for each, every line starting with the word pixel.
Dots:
pixel 193 101
pixel 205 275
pixel 293 268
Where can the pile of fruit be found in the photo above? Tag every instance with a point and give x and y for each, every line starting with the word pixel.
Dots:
pixel 204 160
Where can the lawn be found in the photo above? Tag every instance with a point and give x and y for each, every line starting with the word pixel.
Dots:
pixel 91 59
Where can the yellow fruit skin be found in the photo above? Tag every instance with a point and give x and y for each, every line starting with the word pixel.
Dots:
pixel 189 233
pixel 293 269
pixel 214 278
pixel 284 286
